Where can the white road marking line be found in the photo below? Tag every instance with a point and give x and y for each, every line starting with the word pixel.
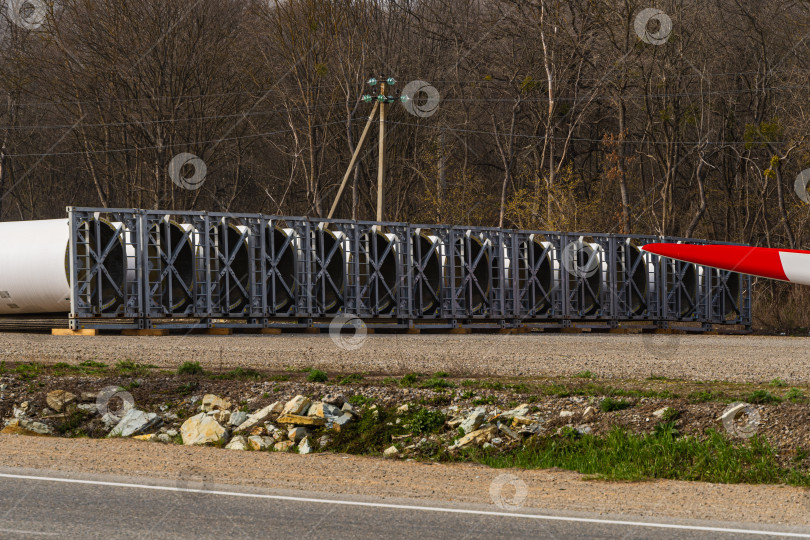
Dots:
pixel 412 507
pixel 34 533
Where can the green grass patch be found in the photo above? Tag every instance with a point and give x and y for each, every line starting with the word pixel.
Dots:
pixel 441 375
pixel 585 375
pixel 359 400
pixel 128 367
pixel 704 396
pixel 190 368
pixel 409 380
pixel 670 415
pixel 625 456
pixel 70 423
pixel 610 404
pixel 188 388
pixel 239 373
pixel 427 421
pixel 762 396
pixel 317 376
pixel 28 372
pixel 436 383
pixel 93 364
pixel 794 395
pixel 487 400
pixel 777 383
pixel 351 378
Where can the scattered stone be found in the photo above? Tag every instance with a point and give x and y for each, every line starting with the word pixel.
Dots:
pixel 297 420
pixel 36 427
pixel 496 440
pixel 503 428
pixel 297 405
pixel 588 413
pixel 59 399
pixel 304 447
pixel 201 429
pixel 660 412
pixel 522 421
pixel 210 402
pixel 316 409
pixel 260 443
pixel 476 438
pixel 89 408
pixel 348 408
pixel 584 430
pixel 520 410
pixel 21 411
pixel 89 396
pixel 474 420
pixel 223 417
pixel 135 422
pixel 144 437
pixel 731 414
pixel 402 409
pixel 336 400
pixel 26 427
pixel 566 414
pixel 283 446
pixel 110 420
pixel 391 451
pixel 341 421
pixel 323 441
pixel 330 411
pixel 297 434
pixel 171 433
pixel 238 418
pixel 532 429
pixel 237 443
pixel 163 438
pixel 260 416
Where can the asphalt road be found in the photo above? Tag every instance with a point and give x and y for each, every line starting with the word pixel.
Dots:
pixel 33 505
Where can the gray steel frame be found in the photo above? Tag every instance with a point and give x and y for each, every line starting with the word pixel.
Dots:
pixel 204 269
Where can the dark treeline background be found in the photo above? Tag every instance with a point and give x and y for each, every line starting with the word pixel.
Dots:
pixel 554 114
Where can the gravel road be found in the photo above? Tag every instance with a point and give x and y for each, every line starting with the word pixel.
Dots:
pixel 689 357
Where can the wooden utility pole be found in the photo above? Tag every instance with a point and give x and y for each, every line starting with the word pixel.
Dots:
pixel 381 164
pixel 381 102
pixel 353 161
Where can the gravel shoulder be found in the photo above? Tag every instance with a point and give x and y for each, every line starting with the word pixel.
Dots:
pixel 685 357
pixel 387 480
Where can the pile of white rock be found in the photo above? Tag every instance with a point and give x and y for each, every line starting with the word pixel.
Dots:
pixel 278 426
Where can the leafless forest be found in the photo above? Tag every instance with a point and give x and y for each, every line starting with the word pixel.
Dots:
pixel 553 115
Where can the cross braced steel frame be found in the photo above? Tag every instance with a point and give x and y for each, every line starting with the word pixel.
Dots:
pixel 133 268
